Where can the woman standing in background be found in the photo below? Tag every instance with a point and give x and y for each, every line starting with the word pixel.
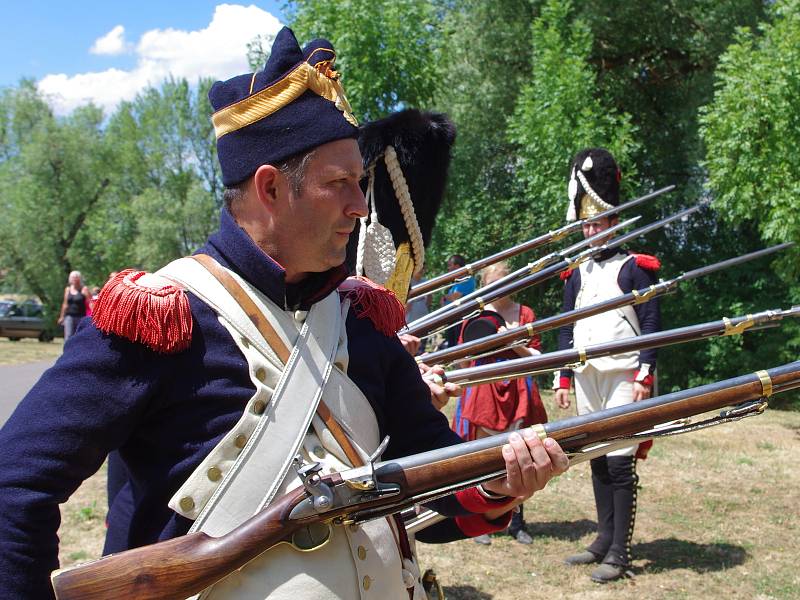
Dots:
pixel 507 405
pixel 75 305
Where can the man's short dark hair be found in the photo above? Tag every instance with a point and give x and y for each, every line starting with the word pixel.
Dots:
pixel 293 168
pixel 457 260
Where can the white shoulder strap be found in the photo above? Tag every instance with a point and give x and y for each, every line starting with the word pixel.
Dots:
pixel 264 461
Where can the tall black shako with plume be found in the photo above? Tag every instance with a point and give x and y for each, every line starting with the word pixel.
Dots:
pixel 593 183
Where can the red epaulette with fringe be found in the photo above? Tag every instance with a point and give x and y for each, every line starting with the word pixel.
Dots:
pixel 651 263
pixel 153 312
pixel 566 274
pixel 374 302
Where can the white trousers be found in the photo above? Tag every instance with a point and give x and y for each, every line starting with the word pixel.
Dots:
pixel 597 390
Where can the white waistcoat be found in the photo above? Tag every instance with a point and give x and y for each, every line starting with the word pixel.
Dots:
pixel 599 282
pixel 358 561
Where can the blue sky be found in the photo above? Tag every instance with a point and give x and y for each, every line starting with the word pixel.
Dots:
pixel 53 41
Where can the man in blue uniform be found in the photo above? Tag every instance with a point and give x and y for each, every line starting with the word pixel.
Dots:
pixel 614 380
pixel 173 373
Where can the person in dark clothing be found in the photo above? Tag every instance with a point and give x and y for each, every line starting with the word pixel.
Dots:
pixel 76 304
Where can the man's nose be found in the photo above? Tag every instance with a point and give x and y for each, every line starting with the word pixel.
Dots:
pixel 357 204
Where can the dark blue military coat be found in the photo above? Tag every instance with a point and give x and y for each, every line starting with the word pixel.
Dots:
pixel 165 413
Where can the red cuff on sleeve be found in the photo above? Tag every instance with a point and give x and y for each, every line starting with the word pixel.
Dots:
pixel 648 380
pixel 564 383
pixel 474 525
pixel 472 501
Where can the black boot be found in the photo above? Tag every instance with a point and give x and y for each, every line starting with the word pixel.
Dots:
pixel 517 527
pixel 624 481
pixel 604 502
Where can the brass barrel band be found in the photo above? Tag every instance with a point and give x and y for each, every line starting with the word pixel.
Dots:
pixel 538 429
pixel 766 383
pixel 640 298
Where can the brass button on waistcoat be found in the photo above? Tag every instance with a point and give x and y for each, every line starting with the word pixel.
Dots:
pixel 259 406
pixel 214 474
pixel 240 441
pixel 366 582
pixel 362 553
pixel 186 504
pixel 261 374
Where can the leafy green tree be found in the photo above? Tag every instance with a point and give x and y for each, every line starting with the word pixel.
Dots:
pixel 752 130
pixel 54 174
pixel 559 111
pixel 258 51
pixel 167 152
pixel 485 59
pixel 386 49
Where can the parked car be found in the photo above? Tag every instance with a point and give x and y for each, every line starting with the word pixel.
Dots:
pixel 23 320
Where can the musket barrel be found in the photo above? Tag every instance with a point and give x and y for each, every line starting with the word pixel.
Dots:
pixel 491 290
pixel 472 460
pixel 477 300
pixel 436 283
pixel 556 360
pixel 498 341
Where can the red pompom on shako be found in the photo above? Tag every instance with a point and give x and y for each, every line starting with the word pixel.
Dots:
pixel 566 274
pixel 374 302
pixel 158 317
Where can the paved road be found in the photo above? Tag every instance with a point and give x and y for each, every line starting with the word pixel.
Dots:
pixel 15 381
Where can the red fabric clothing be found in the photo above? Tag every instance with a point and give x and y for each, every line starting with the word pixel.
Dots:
pixel 501 404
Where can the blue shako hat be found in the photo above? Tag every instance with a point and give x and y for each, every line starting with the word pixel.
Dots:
pixel 295 104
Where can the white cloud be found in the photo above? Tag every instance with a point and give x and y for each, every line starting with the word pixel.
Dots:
pixel 111 43
pixel 219 51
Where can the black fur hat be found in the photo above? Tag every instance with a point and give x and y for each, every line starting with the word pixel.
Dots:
pixel 593 183
pixel 422 142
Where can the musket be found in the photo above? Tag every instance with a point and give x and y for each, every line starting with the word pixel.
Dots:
pixel 572 357
pixel 529 269
pixel 436 283
pixel 178 568
pixel 473 303
pixel 498 342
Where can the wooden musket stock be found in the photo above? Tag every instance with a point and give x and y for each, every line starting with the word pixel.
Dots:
pixel 184 566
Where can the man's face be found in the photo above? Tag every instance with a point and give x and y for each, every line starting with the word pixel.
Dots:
pixel 452 265
pixel 594 227
pixel 313 226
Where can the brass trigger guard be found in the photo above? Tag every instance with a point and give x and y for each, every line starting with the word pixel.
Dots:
pixel 301 546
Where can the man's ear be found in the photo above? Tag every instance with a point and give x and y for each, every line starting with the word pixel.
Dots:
pixel 267 181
